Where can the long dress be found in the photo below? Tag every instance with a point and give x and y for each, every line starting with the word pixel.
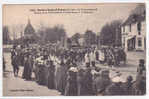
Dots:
pixel 57 77
pixel 41 75
pixel 88 85
pixel 28 69
pixel 101 56
pixel 97 55
pixel 36 71
pixel 101 83
pixel 81 83
pixel 51 77
pixel 4 65
pixel 63 78
pixel 71 87
pixel 25 69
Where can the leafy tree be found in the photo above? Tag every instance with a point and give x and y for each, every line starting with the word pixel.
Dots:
pixel 76 37
pixel 90 38
pixel 111 34
pixel 52 34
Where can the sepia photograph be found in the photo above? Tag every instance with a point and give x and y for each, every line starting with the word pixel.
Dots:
pixel 82 49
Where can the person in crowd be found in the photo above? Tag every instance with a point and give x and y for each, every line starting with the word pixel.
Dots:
pixel 105 50
pixel 41 71
pixel 51 76
pixel 96 72
pixel 13 53
pixel 141 67
pixel 110 58
pixel 15 65
pixel 81 82
pixel 93 58
pixel 36 68
pixel 58 76
pixel 87 58
pixel 4 64
pixel 97 55
pixel 45 72
pixel 128 86
pixel 102 81
pixel 22 58
pixel 61 84
pixel 115 88
pixel 28 66
pixel 122 55
pixel 140 84
pixel 19 53
pixel 71 86
pixel 101 56
pixel 116 56
pixel 88 85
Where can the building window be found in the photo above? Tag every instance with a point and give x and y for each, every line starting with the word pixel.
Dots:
pixel 139 28
pixel 139 42
pixel 130 28
pixel 124 29
pixel 124 42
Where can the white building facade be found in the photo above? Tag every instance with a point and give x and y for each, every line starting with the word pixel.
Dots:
pixel 134 35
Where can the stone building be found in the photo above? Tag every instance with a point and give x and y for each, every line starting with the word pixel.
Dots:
pixel 29 33
pixel 29 30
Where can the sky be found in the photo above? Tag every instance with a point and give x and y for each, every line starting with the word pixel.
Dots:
pixel 16 16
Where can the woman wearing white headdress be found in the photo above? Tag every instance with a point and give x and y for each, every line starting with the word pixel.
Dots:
pixel 101 56
pixel 116 87
pixel 93 58
pixel 87 58
pixel 72 85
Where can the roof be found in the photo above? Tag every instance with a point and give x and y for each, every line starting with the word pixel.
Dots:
pixel 132 19
pixel 29 29
pixel 137 15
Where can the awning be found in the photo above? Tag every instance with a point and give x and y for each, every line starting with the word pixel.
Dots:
pixel 131 37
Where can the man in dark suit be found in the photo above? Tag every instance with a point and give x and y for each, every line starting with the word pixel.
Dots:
pixel 15 65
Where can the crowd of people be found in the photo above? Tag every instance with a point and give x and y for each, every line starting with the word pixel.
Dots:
pixel 74 72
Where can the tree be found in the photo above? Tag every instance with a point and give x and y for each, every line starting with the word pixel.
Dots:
pixel 139 10
pixel 6 37
pixel 111 34
pixel 69 42
pixel 90 38
pixel 76 37
pixel 52 34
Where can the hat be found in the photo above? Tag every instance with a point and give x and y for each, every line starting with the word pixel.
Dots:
pixel 116 79
pixel 129 78
pixel 73 69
